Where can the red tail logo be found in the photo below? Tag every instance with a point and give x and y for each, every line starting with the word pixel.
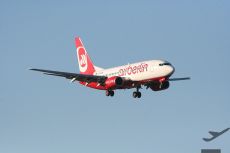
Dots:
pixel 82 58
pixel 85 63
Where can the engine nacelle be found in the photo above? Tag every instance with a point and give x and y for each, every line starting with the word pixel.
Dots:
pixel 114 82
pixel 160 86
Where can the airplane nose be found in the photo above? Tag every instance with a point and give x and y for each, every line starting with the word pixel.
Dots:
pixel 171 69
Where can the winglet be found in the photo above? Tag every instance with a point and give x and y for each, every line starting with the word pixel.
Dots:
pixel 206 139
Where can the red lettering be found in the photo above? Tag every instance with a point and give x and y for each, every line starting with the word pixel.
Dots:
pixel 143 67
pixel 134 70
pixel 129 70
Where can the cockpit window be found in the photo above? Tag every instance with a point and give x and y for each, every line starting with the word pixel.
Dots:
pixel 162 64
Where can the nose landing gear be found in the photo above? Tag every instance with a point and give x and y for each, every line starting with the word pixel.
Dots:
pixel 137 94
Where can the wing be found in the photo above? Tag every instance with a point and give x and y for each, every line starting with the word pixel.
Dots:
pixel 74 76
pixel 214 134
pixel 178 79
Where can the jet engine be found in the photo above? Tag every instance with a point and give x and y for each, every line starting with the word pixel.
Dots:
pixel 114 82
pixel 157 86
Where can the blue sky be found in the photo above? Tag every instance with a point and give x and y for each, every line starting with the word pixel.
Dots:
pixel 48 114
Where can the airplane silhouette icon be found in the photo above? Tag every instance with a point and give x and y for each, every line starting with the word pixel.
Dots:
pixel 215 135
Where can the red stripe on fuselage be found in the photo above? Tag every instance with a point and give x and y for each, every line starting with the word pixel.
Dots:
pixel 127 84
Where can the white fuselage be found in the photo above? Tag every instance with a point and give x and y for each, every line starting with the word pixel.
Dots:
pixel 145 70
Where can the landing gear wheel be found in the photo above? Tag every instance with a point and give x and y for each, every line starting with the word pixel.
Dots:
pixel 136 94
pixel 109 93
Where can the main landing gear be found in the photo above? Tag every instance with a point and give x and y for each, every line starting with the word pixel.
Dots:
pixel 137 94
pixel 109 93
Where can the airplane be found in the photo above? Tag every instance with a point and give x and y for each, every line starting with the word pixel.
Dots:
pixel 215 134
pixel 153 74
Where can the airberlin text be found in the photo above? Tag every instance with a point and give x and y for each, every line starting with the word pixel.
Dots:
pixel 129 70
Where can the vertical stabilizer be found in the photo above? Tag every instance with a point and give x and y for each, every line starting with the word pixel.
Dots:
pixel 85 64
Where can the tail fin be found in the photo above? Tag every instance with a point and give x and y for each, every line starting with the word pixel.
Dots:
pixel 85 64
